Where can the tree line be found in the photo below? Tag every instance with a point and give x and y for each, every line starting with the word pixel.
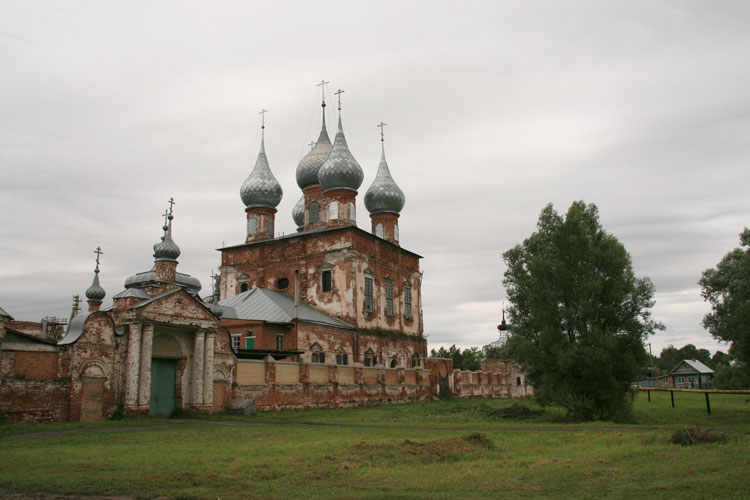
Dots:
pixel 579 316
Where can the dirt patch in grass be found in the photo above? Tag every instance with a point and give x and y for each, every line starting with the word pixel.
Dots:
pixel 516 411
pixel 689 436
pixel 439 450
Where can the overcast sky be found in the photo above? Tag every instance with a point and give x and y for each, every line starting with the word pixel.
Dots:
pixel 494 109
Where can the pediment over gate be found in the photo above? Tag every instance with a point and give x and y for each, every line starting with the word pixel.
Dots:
pixel 178 307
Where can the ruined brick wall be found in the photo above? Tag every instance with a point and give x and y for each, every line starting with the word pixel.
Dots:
pixel 32 387
pixel 497 378
pixel 285 385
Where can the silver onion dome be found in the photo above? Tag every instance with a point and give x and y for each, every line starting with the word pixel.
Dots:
pixel 384 195
pixel 298 212
pixel 261 189
pixel 95 291
pixel 307 170
pixel 167 249
pixel 340 170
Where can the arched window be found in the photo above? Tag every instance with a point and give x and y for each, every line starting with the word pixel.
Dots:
pixel 314 212
pixel 395 232
pixel 269 228
pixel 379 230
pixel 394 362
pixel 415 361
pixel 369 358
pixel 243 287
pixel 518 380
pixel 352 211
pixel 369 307
pixel 318 356
pixel 326 283
pixel 252 225
pixel 333 210
pixel 282 284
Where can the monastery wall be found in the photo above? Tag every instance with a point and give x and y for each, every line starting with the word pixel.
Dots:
pixel 278 385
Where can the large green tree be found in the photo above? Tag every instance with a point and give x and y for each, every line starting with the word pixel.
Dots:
pixel 578 314
pixel 727 289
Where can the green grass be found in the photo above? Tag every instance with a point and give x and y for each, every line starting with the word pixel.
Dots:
pixel 260 457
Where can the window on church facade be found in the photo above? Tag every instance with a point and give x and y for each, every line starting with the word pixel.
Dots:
pixel 407 302
pixel 243 287
pixel 318 356
pixel 415 361
pixel 326 281
pixel 352 211
pixel 269 228
pixel 368 295
pixel 395 232
pixel 369 358
pixel 236 341
pixel 252 225
pixel 389 297
pixel 394 362
pixel 314 212
pixel 333 210
pixel 282 284
pixel 341 357
pixel 379 230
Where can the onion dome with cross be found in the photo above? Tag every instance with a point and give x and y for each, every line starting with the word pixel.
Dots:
pixel 309 165
pixel 384 195
pixel 167 249
pixel 340 170
pixel 95 291
pixel 261 189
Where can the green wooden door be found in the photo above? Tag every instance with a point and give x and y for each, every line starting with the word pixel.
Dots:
pixel 162 386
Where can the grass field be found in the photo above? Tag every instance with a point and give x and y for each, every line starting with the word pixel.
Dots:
pixel 445 449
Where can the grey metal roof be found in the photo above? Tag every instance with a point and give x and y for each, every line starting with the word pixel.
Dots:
pixel 137 293
pixel 156 297
pixel 260 304
pixel 695 365
pixel 309 165
pixel 298 212
pixel 261 189
pixel 75 328
pixel 3 313
pixel 146 277
pixel 95 291
pixel 317 230
pixel 340 170
pixel 384 195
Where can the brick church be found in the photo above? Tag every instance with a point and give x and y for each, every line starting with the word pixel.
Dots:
pixel 328 316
